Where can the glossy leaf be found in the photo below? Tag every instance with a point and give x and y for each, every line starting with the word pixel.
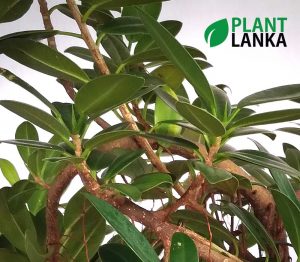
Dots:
pixel 255 228
pixel 155 54
pixel 200 118
pixel 290 214
pixel 269 118
pixel 78 211
pixel 164 112
pixel 183 248
pixel 134 239
pixel 149 181
pixel 37 117
pixel 217 32
pixel 125 25
pixel 128 190
pixel 279 93
pixel 285 186
pixel 121 163
pixel 264 160
pixel 172 140
pixel 26 131
pixel 105 137
pixel 32 34
pixel 106 92
pixel 146 42
pixel 115 48
pixel 15 79
pixel 219 178
pixel 213 175
pixel 33 249
pixel 14 223
pixel 33 144
pixel 180 57
pixel 117 252
pixel 293 158
pixel 243 131
pixel 43 59
pixel 9 172
pixel 11 10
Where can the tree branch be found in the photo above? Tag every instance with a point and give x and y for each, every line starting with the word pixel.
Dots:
pixel 54 194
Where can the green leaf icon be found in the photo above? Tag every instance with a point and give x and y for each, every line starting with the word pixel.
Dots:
pixel 217 32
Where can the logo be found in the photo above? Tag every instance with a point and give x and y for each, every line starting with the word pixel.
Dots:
pixel 262 32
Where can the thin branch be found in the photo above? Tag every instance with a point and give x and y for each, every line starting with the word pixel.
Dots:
pixel 52 43
pixel 139 117
pixel 100 63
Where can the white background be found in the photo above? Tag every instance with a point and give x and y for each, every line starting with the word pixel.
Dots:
pixel 244 70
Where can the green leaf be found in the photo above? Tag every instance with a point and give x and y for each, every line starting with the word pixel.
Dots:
pixel 223 105
pixel 259 174
pixel 180 57
pixel 255 228
pixel 43 59
pixel 15 79
pixel 105 137
pixel 9 255
pixel 183 248
pixel 117 252
pixel 269 118
pixel 291 130
pixel 293 158
pixel 134 239
pixel 196 222
pixel 262 159
pixel 14 223
pixel 156 55
pixel 33 144
pixel 146 42
pixel 285 186
pixel 220 178
pixel 75 122
pixel 279 93
pixel 78 211
pixel 200 118
pixel 172 140
pixel 106 92
pixel 121 163
pixel 149 181
pixel 33 249
pixel 164 112
pixel 290 214
pixel 37 117
pixel 37 201
pixel 243 131
pixel 119 3
pixel 128 190
pixel 96 18
pixel 9 172
pixel 152 9
pixel 26 131
pixel 217 32
pixel 32 34
pixel 115 48
pixel 126 25
pixel 11 10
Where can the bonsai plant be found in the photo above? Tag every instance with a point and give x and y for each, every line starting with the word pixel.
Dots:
pixel 213 203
